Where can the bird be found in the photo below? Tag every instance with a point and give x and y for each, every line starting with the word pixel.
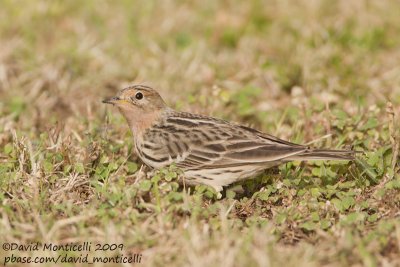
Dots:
pixel 207 150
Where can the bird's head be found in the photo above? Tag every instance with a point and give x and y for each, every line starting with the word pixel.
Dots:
pixel 140 105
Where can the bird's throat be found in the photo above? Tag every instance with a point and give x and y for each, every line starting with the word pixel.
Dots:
pixel 138 121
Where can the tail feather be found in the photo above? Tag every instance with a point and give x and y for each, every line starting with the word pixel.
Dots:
pixel 325 154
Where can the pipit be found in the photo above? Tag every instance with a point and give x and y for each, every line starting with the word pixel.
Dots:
pixel 209 151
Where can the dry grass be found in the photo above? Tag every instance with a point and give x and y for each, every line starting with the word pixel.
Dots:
pixel 297 69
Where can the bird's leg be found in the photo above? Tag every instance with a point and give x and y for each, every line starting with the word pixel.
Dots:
pixel 140 174
pixel 151 173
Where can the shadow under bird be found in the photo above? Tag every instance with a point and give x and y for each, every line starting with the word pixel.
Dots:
pixel 209 151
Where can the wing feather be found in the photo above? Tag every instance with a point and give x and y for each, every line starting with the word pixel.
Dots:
pixel 197 142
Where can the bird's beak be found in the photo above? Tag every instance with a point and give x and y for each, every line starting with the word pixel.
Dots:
pixel 113 100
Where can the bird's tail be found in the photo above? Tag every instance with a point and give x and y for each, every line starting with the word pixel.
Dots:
pixel 325 154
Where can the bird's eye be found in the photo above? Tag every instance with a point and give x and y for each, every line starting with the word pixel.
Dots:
pixel 139 96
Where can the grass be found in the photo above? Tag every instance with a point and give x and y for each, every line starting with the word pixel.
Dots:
pixel 300 70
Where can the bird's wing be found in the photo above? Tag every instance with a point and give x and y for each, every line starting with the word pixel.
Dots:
pixel 194 142
pixel 248 154
pixel 268 138
pixel 217 146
